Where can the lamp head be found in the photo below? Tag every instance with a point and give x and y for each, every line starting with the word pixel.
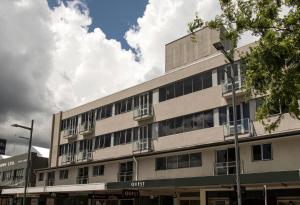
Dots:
pixel 219 46
pixel 15 125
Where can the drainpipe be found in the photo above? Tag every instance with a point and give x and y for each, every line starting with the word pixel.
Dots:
pixel 136 167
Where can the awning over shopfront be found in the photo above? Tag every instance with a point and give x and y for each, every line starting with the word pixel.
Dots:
pixel 253 178
pixel 58 188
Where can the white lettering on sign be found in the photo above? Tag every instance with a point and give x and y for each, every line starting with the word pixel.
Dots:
pixel 140 184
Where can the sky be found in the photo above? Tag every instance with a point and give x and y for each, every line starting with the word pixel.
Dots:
pixel 63 54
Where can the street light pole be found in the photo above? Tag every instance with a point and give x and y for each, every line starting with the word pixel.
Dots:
pixel 28 158
pixel 219 46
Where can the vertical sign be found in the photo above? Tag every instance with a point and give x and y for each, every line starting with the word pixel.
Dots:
pixel 2 146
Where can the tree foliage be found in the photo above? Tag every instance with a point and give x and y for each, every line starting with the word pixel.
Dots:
pixel 272 66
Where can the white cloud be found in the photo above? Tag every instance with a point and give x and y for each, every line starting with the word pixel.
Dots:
pixel 163 22
pixel 50 62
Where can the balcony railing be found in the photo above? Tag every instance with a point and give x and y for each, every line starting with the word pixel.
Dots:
pixel 86 128
pixel 85 156
pixel 82 180
pixel 243 127
pixel 50 182
pixel 227 85
pixel 70 133
pixel 143 145
pixel 125 176
pixel 143 112
pixel 68 159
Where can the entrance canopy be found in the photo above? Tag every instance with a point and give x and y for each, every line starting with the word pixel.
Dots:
pixel 58 188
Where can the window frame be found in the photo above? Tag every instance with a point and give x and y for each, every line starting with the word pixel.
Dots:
pixel 261 152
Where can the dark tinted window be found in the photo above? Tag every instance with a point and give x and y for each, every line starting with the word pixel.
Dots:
pixel 172 162
pixel 178 88
pixel 188 86
pixel 198 121
pixel 207 79
pixel 170 92
pixel 188 123
pixel 161 163
pixel 183 161
pixel 267 151
pixel 256 152
pixel 162 94
pixel 195 160
pixel 197 83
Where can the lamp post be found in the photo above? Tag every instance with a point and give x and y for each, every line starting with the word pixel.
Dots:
pixel 220 47
pixel 28 157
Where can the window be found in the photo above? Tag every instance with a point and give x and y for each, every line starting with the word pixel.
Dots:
pixel 196 160
pixel 178 161
pixel 123 106
pixel 208 119
pixel 122 137
pixel 207 79
pixel 161 163
pixel 172 162
pixel 104 112
pixel 98 170
pixel 41 176
pixel 186 86
pixel 70 124
pixel 186 123
pixel 178 88
pixel 103 141
pixel 183 161
pixel 18 174
pixel 126 171
pixel 262 152
pixel 7 175
pixel 197 83
pixel 63 174
pixel 67 149
pixel 222 115
pixel 170 92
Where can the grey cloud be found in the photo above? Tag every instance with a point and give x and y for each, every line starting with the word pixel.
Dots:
pixel 26 43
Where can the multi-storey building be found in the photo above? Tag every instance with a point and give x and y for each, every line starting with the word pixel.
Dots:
pixel 169 140
pixel 12 172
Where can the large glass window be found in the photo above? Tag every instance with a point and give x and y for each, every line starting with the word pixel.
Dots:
pixel 186 86
pixel 186 123
pixel 262 152
pixel 103 141
pixel 178 161
pixel 223 115
pixel 126 171
pixel 104 112
pixel 123 106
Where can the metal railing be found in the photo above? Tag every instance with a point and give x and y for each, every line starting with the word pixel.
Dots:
pixel 50 182
pixel 86 127
pixel 82 180
pixel 143 112
pixel 243 127
pixel 69 133
pixel 143 145
pixel 68 159
pixel 226 168
pixel 125 176
pixel 85 156
pixel 227 85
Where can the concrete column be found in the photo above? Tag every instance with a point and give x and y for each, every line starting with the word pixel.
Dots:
pixel 155 97
pixel 214 77
pixel 202 197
